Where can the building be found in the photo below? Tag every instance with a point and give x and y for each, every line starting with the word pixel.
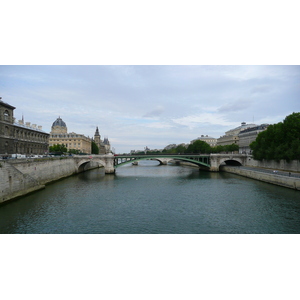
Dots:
pixel 232 136
pixel 247 136
pixel 107 145
pixel 20 138
pixel 208 139
pixel 104 146
pixel 59 135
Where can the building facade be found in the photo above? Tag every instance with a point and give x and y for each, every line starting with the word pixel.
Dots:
pixel 232 136
pixel 247 136
pixel 208 139
pixel 104 146
pixel 59 136
pixel 20 138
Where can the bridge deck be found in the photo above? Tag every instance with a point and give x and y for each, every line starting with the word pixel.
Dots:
pixel 199 159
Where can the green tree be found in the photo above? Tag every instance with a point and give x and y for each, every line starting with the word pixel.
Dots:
pixel 232 148
pixel 198 147
pixel 95 148
pixel 58 148
pixel 180 149
pixel 279 141
pixel 74 151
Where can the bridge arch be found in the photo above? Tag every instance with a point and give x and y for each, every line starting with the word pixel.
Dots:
pixel 88 163
pixel 231 162
pixel 163 160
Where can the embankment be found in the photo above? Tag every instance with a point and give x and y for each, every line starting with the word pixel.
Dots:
pixel 273 178
pixel 21 176
pixel 291 166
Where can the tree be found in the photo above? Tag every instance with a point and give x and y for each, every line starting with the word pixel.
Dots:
pixel 279 141
pixel 198 147
pixel 58 148
pixel 232 148
pixel 95 148
pixel 74 151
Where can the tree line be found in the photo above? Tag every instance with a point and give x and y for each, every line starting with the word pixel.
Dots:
pixel 279 141
pixel 59 149
pixel 197 147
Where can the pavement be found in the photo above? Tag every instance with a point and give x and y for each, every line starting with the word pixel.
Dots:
pixel 270 171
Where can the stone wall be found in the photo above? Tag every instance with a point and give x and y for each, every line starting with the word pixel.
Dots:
pixel 21 176
pixel 46 170
pixel 14 183
pixel 292 166
pixel 289 182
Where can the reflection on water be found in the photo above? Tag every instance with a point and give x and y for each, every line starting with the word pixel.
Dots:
pixel 149 198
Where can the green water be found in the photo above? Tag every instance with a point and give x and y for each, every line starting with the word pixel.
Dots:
pixel 154 199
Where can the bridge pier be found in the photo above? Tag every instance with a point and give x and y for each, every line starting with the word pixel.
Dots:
pixel 109 164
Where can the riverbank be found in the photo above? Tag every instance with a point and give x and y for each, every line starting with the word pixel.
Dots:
pixel 20 177
pixel 266 175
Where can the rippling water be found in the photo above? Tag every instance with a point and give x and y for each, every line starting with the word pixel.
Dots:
pixel 154 199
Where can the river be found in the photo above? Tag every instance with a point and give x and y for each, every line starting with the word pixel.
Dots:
pixel 153 199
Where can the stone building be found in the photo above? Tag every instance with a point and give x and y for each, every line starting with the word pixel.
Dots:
pixel 20 138
pixel 104 146
pixel 208 139
pixel 59 135
pixel 107 145
pixel 247 136
pixel 232 135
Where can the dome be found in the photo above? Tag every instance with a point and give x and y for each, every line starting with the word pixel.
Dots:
pixel 59 122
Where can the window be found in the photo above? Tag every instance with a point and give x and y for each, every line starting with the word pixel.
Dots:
pixel 6 115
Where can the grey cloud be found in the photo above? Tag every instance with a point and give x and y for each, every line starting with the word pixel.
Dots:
pixel 235 106
pixel 260 89
pixel 154 113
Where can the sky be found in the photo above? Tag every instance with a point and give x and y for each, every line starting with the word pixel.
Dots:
pixel 151 105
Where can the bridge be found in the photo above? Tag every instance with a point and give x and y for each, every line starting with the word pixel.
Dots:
pixel 210 162
pixel 199 160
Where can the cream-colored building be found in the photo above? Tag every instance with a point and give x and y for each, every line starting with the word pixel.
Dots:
pixel 59 135
pixel 247 136
pixel 208 139
pixel 232 136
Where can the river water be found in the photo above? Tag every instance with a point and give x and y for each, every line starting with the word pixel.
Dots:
pixel 149 198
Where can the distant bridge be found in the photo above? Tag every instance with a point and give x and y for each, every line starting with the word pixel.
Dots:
pixel 210 162
pixel 199 160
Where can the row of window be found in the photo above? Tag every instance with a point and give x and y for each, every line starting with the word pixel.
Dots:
pixel 64 135
pixel 20 134
pixel 70 144
pixel 60 140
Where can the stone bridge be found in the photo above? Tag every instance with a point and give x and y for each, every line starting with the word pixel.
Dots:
pixel 106 161
pixel 210 162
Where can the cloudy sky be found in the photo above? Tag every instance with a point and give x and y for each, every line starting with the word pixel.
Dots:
pixel 151 105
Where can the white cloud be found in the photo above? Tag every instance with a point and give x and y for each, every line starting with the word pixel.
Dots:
pixel 194 121
pixel 161 104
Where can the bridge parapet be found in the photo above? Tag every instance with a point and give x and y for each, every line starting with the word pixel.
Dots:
pixel 211 162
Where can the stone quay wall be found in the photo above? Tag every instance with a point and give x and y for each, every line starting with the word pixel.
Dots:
pixel 283 165
pixel 285 181
pixel 22 176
